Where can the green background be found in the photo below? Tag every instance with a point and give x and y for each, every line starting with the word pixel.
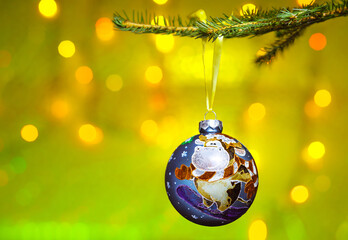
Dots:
pixel 61 188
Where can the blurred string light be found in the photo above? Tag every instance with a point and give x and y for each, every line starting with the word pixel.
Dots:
pixel 160 2
pixel 153 74
pixel 18 165
pixel 299 194
pixel 257 230
pixel 311 109
pixel 317 41
pixel 322 98
pixel 304 2
pixel 322 183
pixel 3 178
pixel 84 74
pixel 104 29
pixel 149 129
pixel 316 150
pixel 114 82
pixel 90 134
pixel 256 111
pixel 66 48
pixel 48 8
pixel 29 133
pixel 60 108
pixel 249 7
pixel 164 43
pixel 5 58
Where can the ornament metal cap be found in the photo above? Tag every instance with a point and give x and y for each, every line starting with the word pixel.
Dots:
pixel 210 126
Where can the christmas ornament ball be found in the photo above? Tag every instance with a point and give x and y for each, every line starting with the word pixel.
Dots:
pixel 211 178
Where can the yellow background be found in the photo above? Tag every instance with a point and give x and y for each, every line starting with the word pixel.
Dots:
pixel 87 126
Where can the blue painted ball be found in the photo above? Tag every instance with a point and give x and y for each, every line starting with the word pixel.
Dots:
pixel 211 178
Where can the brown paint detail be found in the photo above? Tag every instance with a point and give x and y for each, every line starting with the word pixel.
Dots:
pixel 207 175
pixel 233 192
pixel 192 167
pixel 228 171
pixel 207 202
pixel 183 172
pixel 249 188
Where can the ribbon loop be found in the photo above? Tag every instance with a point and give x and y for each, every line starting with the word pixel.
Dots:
pixel 210 84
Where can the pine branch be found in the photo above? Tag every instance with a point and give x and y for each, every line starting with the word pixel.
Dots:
pixel 287 23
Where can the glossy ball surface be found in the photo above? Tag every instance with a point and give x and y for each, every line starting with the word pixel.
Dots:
pixel 211 179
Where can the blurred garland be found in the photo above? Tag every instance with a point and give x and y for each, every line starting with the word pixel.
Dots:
pixel 287 23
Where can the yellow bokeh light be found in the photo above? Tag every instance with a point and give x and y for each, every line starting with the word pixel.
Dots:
pixel 160 2
pixel 29 133
pixel 164 43
pixel 48 8
pixel 322 98
pixel 104 29
pixel 247 7
pixel 299 194
pixel 60 108
pixel 66 48
pixel 3 178
pixel 257 230
pixel 316 150
pixel 256 111
pixel 84 75
pixel 159 20
pixel 90 134
pixel 149 129
pixel 305 2
pixel 114 82
pixel 153 74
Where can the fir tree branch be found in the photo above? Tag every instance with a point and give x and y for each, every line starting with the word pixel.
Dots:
pixel 288 23
pixel 284 40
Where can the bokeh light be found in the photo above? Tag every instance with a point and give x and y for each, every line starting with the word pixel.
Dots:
pixel 48 8
pixel 66 48
pixel 114 82
pixel 249 7
pixel 153 74
pixel 104 29
pixel 90 134
pixel 3 178
pixel 160 2
pixel 299 194
pixel 29 133
pixel 5 58
pixel 84 74
pixel 322 98
pixel 316 150
pixel 257 230
pixel 304 2
pixel 311 109
pixel 164 43
pixel 317 41
pixel 256 111
pixel 149 129
pixel 60 108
